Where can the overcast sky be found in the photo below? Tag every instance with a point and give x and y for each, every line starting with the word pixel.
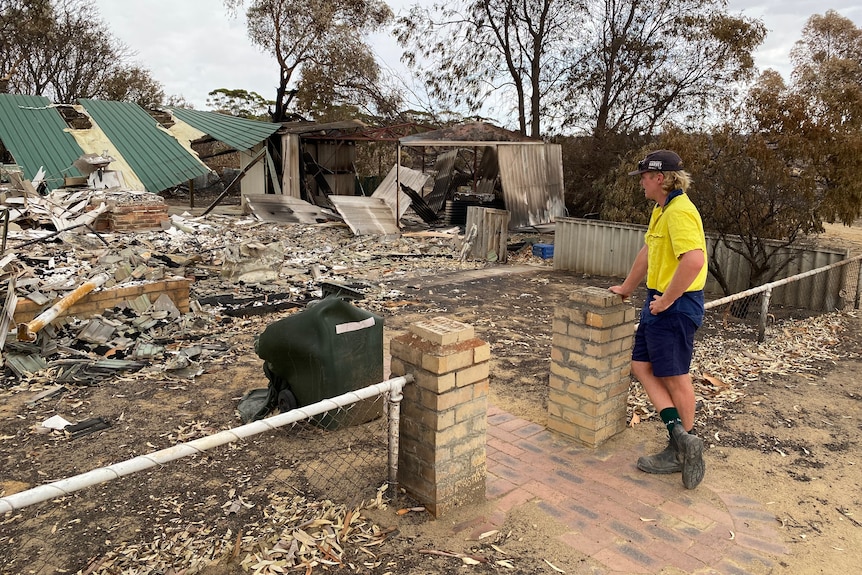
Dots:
pixel 193 47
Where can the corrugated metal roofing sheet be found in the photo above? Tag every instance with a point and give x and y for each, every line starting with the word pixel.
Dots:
pixel 285 209
pixel 23 364
pixel 366 216
pixel 33 131
pixel 532 179
pixel 155 155
pixel 413 179
pixel 238 133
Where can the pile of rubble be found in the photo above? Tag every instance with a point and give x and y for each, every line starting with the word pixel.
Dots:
pixel 229 266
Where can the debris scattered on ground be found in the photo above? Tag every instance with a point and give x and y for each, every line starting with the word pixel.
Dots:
pixel 170 348
pixel 294 534
pixel 726 361
pixel 239 267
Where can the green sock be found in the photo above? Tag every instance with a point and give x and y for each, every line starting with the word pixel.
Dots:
pixel 670 417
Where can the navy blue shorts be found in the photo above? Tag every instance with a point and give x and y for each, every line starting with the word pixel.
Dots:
pixel 667 342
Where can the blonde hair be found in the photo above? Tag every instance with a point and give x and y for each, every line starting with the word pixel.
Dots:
pixel 680 180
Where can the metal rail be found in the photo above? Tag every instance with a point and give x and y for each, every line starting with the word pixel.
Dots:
pixel 66 486
pixel 766 289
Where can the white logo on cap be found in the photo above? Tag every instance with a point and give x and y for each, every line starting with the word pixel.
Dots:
pixel 655 165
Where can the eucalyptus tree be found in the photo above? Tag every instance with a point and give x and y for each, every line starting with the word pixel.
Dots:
pixel 345 81
pixel 61 49
pixel 643 62
pixel 133 83
pixel 240 103
pixel 319 43
pixel 472 54
pixel 21 24
pixel 585 66
pixel 827 76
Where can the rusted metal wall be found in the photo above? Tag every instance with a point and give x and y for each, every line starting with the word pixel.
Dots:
pixel 532 179
pixel 602 248
pixel 444 167
pixel 338 157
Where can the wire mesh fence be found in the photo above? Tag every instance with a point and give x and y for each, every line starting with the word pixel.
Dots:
pixel 343 462
pixel 835 287
pixel 292 489
pixel 347 406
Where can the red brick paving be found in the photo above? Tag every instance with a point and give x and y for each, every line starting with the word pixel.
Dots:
pixel 627 521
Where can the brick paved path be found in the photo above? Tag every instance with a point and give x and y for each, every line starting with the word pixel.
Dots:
pixel 626 520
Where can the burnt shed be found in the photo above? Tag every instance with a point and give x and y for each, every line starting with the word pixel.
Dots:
pixel 527 173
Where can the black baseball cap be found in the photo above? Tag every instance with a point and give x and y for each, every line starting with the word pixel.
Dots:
pixel 659 161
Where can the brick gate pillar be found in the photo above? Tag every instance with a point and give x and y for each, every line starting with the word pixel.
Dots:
pixel 590 366
pixel 441 455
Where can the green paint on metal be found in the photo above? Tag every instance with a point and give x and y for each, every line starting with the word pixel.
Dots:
pixel 157 158
pixel 33 131
pixel 238 133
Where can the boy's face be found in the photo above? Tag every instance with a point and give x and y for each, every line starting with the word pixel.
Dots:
pixel 652 184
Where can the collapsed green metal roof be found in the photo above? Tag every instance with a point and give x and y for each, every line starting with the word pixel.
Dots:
pixel 238 133
pixel 34 132
pixel 158 159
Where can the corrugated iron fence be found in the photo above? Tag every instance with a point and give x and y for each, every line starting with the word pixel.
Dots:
pixel 816 279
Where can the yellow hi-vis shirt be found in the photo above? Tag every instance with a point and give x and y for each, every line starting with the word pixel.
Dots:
pixel 673 231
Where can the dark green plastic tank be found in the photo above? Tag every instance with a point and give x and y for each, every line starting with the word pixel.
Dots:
pixel 328 349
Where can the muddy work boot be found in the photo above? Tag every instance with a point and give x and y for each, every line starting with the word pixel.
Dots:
pixel 689 452
pixel 663 462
